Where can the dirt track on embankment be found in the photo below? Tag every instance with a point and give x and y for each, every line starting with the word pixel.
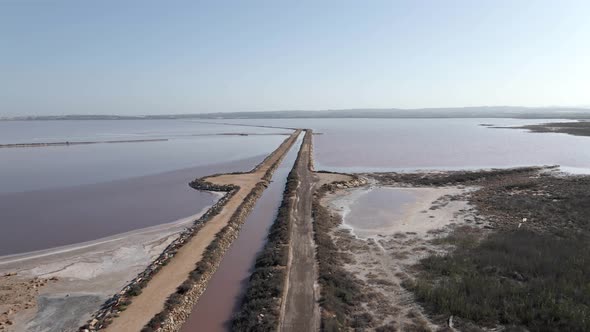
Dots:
pixel 300 309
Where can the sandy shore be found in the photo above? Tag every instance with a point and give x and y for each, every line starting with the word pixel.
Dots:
pixel 79 277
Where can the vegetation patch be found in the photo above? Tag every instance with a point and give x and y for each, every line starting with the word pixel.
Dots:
pixel 580 128
pixel 517 278
pixel 559 205
pixel 453 178
pixel 533 272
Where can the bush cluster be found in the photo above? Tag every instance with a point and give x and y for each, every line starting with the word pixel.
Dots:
pixel 512 278
pixel 581 128
pixel 454 177
pixel 536 276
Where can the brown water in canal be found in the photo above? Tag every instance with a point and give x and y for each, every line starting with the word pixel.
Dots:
pixel 222 298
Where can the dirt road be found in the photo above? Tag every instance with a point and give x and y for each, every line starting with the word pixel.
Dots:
pixel 300 310
pixel 151 300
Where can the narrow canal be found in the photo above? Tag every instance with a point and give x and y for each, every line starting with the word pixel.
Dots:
pixel 224 293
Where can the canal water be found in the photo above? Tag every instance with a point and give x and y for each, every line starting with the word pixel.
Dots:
pixel 224 292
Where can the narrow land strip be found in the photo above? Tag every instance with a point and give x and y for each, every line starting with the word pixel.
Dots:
pixel 45 144
pixel 300 309
pixel 153 297
pixel 260 309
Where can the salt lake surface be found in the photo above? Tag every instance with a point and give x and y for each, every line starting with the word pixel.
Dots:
pixel 357 145
pixel 56 189
pixel 42 219
pixel 60 195
pixel 25 169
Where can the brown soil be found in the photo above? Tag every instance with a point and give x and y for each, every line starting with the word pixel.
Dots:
pixel 18 295
pixel 151 301
pixel 328 177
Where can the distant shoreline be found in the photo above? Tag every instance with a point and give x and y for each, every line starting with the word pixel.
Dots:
pixel 370 113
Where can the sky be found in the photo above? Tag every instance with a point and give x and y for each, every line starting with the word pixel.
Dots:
pixel 170 57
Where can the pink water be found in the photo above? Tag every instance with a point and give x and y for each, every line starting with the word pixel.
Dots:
pixel 42 219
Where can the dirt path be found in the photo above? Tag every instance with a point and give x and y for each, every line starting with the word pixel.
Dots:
pixel 151 300
pixel 300 310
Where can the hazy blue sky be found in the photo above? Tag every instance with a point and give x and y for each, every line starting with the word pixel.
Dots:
pixel 147 57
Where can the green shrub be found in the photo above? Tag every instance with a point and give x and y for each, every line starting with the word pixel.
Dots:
pixel 135 290
pixel 517 277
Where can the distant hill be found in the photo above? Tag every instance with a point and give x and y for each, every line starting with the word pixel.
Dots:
pixel 464 112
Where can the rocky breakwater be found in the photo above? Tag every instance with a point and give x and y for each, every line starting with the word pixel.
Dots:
pixel 311 162
pixel 179 305
pixel 356 181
